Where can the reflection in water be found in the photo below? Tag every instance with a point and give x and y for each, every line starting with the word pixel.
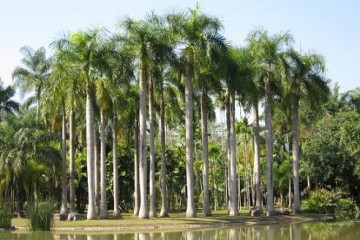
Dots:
pixel 314 230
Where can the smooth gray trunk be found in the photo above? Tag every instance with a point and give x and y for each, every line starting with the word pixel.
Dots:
pixel 233 210
pixel 289 194
pixel 96 170
pixel 189 143
pixel 72 159
pixel 91 212
pixel 228 113
pixel 287 139
pixel 136 171
pixel 257 169
pixel 269 151
pixel 38 96
pixel 103 201
pixel 308 182
pixel 64 186
pixel 116 187
pixel 152 190
pixel 164 194
pixel 204 131
pixel 295 152
pixel 144 211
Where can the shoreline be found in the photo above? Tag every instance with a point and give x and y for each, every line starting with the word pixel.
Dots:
pixel 124 228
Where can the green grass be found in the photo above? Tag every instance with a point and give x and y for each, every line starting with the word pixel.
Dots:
pixel 176 220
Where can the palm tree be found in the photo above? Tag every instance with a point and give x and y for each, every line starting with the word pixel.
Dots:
pixel 55 91
pixel 305 82
pixel 209 72
pixel 191 28
pixel 233 79
pixel 163 56
pixel 28 153
pixel 6 104
pixel 167 95
pixel 32 76
pixel 120 72
pixel 251 93
pixel 104 102
pixel 139 37
pixel 269 55
pixel 71 80
pixel 352 97
pixel 84 50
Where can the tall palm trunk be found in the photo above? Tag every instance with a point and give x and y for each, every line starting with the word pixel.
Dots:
pixel 103 202
pixel 257 169
pixel 72 159
pixel 91 212
pixel 96 169
pixel 136 170
pixel 152 210
pixel 144 211
pixel 204 130
pixel 64 187
pixel 295 152
pixel 164 194
pixel 38 98
pixel 233 210
pixel 116 189
pixel 269 152
pixel 189 142
pixel 227 173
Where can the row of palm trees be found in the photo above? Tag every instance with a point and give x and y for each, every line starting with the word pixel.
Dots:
pixel 185 53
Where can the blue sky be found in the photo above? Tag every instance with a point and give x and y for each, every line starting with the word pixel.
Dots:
pixel 331 27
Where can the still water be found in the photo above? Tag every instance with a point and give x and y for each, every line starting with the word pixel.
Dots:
pixel 295 231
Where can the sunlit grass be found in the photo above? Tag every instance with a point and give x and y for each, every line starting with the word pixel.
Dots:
pixel 176 220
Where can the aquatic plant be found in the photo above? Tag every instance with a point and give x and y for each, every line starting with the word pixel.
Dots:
pixel 41 216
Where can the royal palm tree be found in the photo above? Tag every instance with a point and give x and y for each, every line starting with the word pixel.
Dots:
pixel 209 73
pixel 33 74
pixel 191 28
pixel 105 104
pixel 251 93
pixel 167 92
pixel 233 82
pixel 305 82
pixel 163 56
pixel 68 78
pixel 55 91
pixel 139 37
pixel 120 72
pixel 84 49
pixel 269 51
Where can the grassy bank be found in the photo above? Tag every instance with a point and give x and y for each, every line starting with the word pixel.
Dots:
pixel 176 221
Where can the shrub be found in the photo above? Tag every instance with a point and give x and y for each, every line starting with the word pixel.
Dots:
pixel 321 201
pixel 345 208
pixel 329 202
pixel 357 212
pixel 5 215
pixel 41 216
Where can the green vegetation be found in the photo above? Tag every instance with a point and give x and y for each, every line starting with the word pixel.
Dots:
pixel 330 202
pixel 5 215
pixel 126 120
pixel 41 216
pixel 176 220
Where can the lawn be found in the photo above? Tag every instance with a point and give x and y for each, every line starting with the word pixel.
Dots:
pixel 177 220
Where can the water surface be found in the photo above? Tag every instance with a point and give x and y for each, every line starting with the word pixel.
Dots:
pixel 295 231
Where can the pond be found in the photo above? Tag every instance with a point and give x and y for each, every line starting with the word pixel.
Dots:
pixel 296 231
